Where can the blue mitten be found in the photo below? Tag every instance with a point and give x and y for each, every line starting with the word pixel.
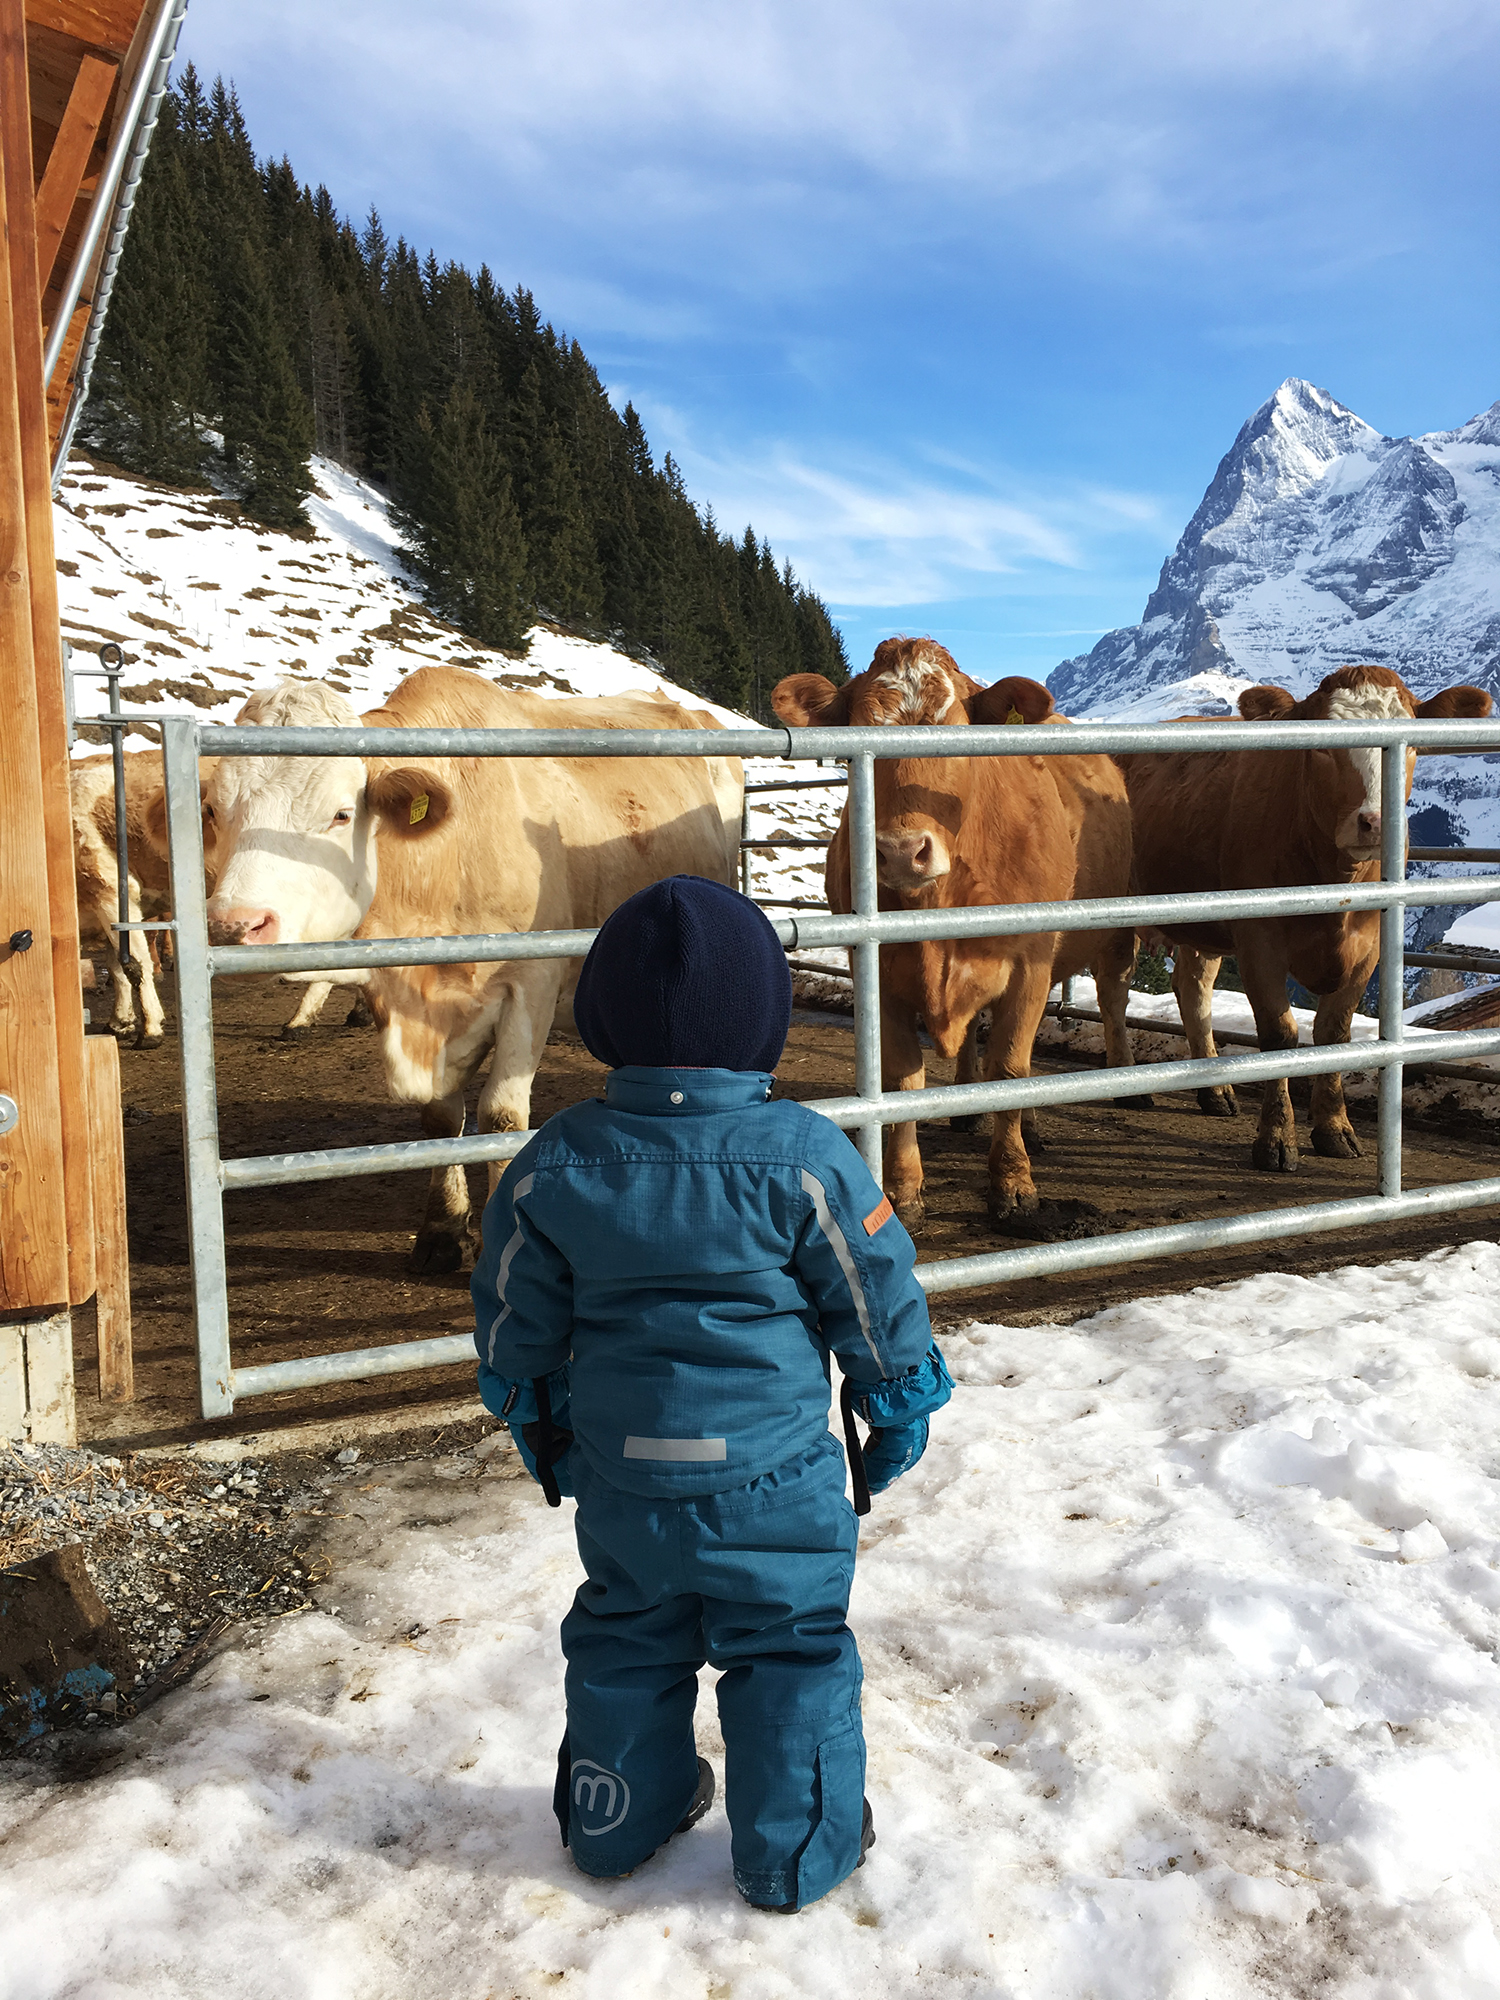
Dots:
pixel 889 1453
pixel 518 1406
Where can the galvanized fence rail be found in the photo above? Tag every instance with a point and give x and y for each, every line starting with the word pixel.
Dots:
pixel 210 1176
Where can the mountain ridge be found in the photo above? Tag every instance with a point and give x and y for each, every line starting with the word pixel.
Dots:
pixel 1318 543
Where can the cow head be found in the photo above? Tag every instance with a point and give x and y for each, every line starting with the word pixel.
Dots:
pixel 295 836
pixel 918 803
pixel 1347 785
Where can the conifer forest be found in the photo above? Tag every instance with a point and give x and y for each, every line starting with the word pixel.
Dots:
pixel 252 325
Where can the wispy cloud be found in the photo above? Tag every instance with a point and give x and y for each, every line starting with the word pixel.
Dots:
pixel 888 532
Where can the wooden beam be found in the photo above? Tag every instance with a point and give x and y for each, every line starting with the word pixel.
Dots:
pixel 46 1206
pixel 62 180
pixel 107 25
pixel 111 1247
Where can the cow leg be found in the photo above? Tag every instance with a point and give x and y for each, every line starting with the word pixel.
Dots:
pixel 445 1232
pixel 902 1068
pixel 137 987
pixel 521 1032
pixel 309 1007
pixel 1014 1020
pixel 1264 974
pixel 1112 967
pixel 1332 1133
pixel 1193 976
pixel 966 1070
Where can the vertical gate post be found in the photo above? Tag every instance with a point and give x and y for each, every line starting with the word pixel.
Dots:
pixel 745 883
pixel 1392 961
pixel 195 1039
pixel 866 895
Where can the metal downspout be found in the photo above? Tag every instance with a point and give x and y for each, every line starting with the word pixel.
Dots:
pixel 114 199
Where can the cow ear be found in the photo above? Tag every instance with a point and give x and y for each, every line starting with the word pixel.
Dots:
pixel 1015 699
pixel 1265 704
pixel 1455 701
pixel 408 801
pixel 810 701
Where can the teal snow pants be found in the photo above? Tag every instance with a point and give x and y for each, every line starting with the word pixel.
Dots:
pixel 756 1581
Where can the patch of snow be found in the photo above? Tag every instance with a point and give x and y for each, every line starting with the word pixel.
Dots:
pixel 208 606
pixel 1181 1654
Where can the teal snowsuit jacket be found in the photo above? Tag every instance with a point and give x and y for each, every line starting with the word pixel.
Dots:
pixel 698 1252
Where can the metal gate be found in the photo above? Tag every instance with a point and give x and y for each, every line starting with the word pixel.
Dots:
pixel 210 1176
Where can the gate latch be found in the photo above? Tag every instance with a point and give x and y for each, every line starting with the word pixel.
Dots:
pixel 10 1113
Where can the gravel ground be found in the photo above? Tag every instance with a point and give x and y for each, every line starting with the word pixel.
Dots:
pixel 181 1550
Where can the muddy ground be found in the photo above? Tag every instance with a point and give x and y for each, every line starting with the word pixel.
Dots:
pixel 320 1267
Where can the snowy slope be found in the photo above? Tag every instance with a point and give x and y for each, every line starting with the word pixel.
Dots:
pixel 207 606
pixel 1181 1652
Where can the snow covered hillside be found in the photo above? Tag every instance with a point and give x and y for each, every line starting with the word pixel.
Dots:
pixel 208 606
pixel 1181 1651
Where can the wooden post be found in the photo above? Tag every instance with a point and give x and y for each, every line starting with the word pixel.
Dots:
pixel 33 1210
pixel 111 1249
pixel 55 800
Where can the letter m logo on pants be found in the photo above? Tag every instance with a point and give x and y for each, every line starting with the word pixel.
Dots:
pixel 601 1798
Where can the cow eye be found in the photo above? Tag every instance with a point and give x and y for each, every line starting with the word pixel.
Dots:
pixel 343 816
pixel 208 812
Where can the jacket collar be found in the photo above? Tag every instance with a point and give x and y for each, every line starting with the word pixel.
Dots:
pixel 677 1093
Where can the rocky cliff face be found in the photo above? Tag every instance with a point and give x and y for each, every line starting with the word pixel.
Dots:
pixel 1319 544
pixel 1322 544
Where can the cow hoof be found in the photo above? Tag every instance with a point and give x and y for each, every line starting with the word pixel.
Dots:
pixel 359 1015
pixel 1145 1102
pixel 1007 1202
pixel 434 1252
pixel 301 1033
pixel 911 1214
pixel 968 1123
pixel 151 1041
pixel 1335 1142
pixel 1218 1104
pixel 1274 1156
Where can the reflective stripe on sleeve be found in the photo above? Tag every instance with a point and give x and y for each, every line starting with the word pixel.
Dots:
pixel 522 1187
pixel 811 1185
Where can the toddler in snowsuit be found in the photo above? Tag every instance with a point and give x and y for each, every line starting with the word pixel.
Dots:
pixel 666 1271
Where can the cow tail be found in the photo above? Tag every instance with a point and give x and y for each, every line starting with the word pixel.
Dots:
pixel 546 1437
pixel 854 1448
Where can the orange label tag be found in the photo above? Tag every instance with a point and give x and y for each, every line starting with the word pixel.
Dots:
pixel 419 807
pixel 878 1217
pixel 1015 716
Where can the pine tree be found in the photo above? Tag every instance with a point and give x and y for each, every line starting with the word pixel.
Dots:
pixel 462 531
pixel 250 317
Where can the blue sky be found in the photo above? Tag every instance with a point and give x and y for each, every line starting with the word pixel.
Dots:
pixel 959 302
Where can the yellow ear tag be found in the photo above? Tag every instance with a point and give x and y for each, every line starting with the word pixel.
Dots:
pixel 419 807
pixel 1015 716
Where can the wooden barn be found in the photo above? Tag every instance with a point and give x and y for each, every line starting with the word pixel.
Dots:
pixel 80 85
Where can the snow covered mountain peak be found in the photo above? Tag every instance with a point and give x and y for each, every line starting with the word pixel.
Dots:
pixel 1320 543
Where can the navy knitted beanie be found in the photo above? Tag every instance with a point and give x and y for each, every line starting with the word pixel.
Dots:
pixel 686 974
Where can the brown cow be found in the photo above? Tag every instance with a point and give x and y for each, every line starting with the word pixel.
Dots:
pixel 98 876
pixel 1271 819
pixel 955 832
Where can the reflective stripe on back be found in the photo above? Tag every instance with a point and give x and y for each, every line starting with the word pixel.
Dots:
pixel 811 1185
pixel 678 1451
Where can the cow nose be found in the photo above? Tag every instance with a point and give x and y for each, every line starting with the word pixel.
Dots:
pixel 238 925
pixel 912 855
pixel 1369 827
